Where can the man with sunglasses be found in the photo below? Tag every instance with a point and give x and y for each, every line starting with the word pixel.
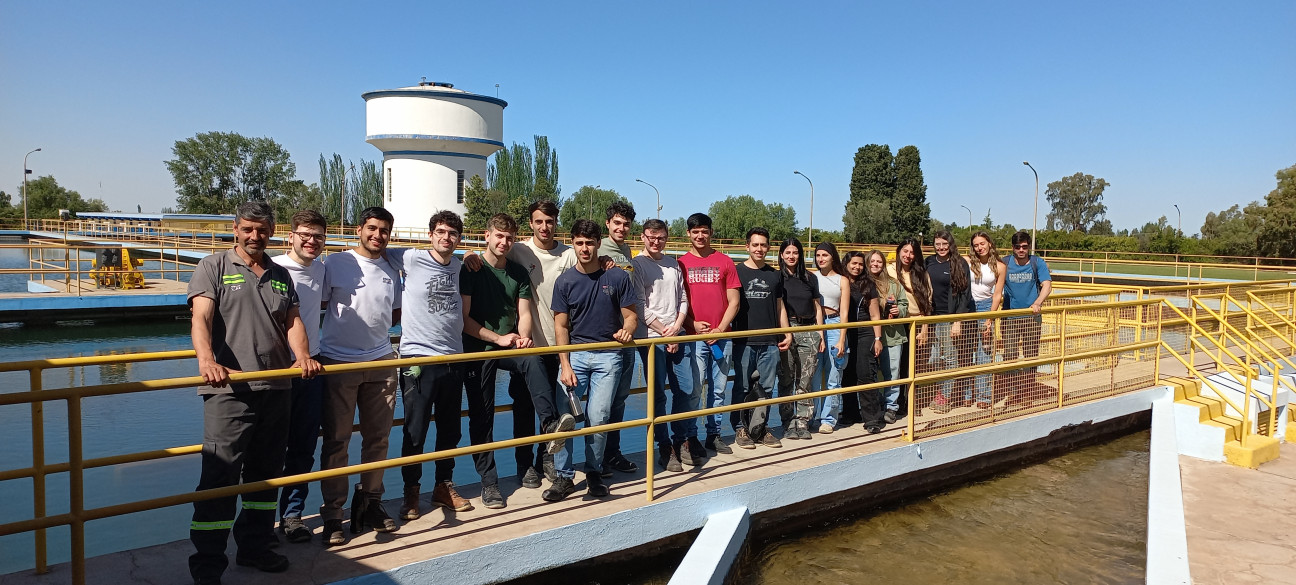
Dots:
pixel 1028 286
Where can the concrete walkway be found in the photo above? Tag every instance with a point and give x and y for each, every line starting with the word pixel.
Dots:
pixel 1241 523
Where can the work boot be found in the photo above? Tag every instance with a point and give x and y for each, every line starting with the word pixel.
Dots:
pixel 409 509
pixel 373 516
pixel 561 488
pixel 715 443
pixel 333 534
pixel 444 495
pixel 742 440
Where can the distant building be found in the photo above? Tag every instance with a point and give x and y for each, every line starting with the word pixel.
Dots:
pixel 434 138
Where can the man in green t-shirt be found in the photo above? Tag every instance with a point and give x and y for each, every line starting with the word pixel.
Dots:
pixel 497 316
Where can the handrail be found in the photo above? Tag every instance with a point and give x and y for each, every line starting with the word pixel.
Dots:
pixel 76 464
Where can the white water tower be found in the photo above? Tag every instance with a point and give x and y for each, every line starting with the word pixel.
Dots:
pixel 434 138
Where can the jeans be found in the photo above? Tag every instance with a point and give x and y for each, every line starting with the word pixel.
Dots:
pixel 762 360
pixel 715 372
pixel 889 364
pixel 796 370
pixel 983 354
pixel 681 370
pixel 829 375
pixel 303 440
pixel 613 447
pixel 597 375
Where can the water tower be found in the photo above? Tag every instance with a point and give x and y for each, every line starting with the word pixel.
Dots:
pixel 434 138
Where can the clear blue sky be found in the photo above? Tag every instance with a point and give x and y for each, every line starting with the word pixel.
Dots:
pixel 1171 102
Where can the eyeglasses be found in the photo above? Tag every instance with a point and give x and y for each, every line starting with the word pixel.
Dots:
pixel 310 236
pixel 654 238
pixel 1022 247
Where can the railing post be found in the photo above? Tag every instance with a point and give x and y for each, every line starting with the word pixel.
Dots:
pixel 38 468
pixel 76 490
pixel 912 389
pixel 651 382
pixel 1061 367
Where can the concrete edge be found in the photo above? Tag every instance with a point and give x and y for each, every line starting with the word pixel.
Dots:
pixel 1167 534
pixel 566 545
pixel 715 551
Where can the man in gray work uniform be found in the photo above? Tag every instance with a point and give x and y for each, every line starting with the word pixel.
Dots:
pixel 245 317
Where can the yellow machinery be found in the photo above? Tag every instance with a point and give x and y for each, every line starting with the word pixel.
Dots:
pixel 114 268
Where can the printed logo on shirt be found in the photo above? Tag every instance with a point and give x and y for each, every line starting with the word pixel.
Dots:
pixel 704 275
pixel 607 290
pixel 1020 277
pixel 443 295
pixel 757 289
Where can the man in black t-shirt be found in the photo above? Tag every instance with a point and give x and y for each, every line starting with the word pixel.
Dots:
pixel 761 308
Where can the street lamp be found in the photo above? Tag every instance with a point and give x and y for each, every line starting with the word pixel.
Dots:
pixel 26 171
pixel 1180 220
pixel 810 233
pixel 969 215
pixel 1035 217
pixel 658 196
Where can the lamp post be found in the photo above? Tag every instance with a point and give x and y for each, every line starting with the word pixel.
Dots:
pixel 1035 216
pixel 658 196
pixel 969 215
pixel 810 233
pixel 1180 219
pixel 26 171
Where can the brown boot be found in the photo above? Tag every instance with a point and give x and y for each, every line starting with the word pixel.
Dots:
pixel 445 495
pixel 409 510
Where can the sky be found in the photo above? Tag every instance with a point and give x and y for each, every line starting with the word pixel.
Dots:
pixel 1187 103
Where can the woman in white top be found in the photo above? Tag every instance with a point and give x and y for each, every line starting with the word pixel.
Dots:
pixel 987 284
pixel 833 287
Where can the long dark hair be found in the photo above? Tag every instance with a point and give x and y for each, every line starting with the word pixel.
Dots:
pixel 959 274
pixel 858 286
pixel 832 251
pixel 921 291
pixel 797 270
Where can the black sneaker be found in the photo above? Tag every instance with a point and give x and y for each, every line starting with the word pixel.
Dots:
pixel 549 472
pixel 561 488
pixel 695 451
pixel 669 459
pixel 714 443
pixel 564 423
pixel 294 529
pixel 531 479
pixel 594 486
pixel 270 562
pixel 491 497
pixel 618 462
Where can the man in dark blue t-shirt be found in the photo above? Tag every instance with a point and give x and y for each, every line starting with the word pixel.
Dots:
pixel 591 305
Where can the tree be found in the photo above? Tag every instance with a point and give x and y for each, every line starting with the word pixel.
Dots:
pixel 45 197
pixel 909 208
pixel 679 227
pixel 1277 235
pixel 1077 202
pixel 364 188
pixel 588 202
pixel 525 177
pixel 1232 232
pixel 868 221
pixel 733 216
pixel 482 203
pixel 216 171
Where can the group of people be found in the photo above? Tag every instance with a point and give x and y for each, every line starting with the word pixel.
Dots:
pixel 253 312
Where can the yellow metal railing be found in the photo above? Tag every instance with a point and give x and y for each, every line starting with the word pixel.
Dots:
pixel 1087 351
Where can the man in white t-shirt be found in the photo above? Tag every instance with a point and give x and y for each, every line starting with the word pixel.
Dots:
pixel 544 258
pixel 663 308
pixel 307 242
pixel 362 295
pixel 432 324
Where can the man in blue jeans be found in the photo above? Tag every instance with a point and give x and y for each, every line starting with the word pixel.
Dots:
pixel 762 308
pixel 663 308
pixel 591 305
pixel 307 242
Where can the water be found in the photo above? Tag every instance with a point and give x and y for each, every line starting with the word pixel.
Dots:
pixel 146 421
pixel 1077 518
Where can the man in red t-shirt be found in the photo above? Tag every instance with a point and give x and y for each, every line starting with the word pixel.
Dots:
pixel 712 284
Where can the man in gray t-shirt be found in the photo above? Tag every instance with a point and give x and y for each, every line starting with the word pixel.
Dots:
pixel 432 325
pixel 245 318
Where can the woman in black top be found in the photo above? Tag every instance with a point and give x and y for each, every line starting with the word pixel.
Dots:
pixel 797 364
pixel 950 278
pixel 864 345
